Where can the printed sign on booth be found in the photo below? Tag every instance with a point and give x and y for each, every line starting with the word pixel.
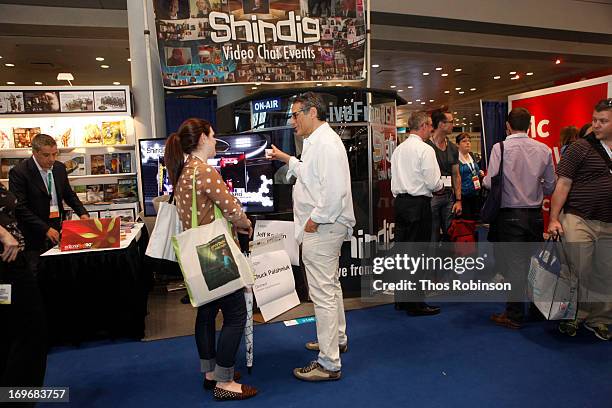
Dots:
pixel 274 41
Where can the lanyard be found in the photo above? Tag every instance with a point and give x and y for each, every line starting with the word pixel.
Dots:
pixel 472 168
pixel 49 182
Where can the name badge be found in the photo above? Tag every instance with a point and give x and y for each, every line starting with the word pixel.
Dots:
pixel 54 212
pixel 476 182
pixel 447 181
pixel 5 294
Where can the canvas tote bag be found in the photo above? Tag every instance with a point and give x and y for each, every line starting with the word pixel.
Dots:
pixel 167 225
pixel 212 264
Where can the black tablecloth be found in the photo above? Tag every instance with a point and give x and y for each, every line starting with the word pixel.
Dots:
pixel 96 295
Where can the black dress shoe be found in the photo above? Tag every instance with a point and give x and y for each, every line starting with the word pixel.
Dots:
pixel 423 309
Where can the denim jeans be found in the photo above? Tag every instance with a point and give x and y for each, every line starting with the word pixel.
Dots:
pixel 441 214
pixel 220 359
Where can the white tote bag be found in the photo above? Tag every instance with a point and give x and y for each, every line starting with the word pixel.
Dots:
pixel 551 286
pixel 212 264
pixel 167 225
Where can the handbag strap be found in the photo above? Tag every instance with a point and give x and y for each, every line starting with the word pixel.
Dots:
pixel 599 149
pixel 194 206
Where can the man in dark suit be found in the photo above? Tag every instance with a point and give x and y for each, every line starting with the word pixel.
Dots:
pixel 41 185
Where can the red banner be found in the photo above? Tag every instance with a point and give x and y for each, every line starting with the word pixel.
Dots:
pixel 554 108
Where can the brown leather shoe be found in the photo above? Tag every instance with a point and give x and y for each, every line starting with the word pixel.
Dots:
pixel 503 320
pixel 225 395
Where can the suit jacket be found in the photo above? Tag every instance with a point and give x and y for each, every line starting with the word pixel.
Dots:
pixel 34 201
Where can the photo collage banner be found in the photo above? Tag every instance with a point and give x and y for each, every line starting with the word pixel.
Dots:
pixel 216 42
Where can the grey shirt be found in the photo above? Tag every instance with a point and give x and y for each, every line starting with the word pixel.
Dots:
pixel 529 173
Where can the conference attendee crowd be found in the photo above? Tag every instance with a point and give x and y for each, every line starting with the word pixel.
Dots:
pixel 437 184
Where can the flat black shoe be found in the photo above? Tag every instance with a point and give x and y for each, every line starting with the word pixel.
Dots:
pixel 423 310
pixel 185 300
pixel 211 384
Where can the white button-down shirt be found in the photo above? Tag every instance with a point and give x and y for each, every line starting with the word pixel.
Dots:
pixel 414 168
pixel 322 191
pixel 45 176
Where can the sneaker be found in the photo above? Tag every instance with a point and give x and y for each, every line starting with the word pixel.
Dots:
pixel 600 330
pixel 314 346
pixel 314 372
pixel 569 327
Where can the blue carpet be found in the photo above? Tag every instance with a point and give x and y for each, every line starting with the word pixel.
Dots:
pixel 455 359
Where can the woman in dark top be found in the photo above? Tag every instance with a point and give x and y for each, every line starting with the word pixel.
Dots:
pixel 470 178
pixel 23 345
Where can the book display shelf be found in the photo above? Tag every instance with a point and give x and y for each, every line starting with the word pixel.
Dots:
pixel 94 131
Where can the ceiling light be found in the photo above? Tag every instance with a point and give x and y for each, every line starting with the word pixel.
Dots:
pixel 253 87
pixel 439 69
pixel 410 86
pixel 496 77
pixel 431 100
pixel 472 89
pixel 461 92
pixel 37 83
pixel 458 70
pixel 393 86
pixel 99 58
pixel 400 90
pixel 512 72
pixel 425 73
pixel 9 65
pixel 116 83
pixel 462 118
pixel 0 56
pixel 478 114
pixel 515 77
pixel 471 123
pixel 65 76
pixel 422 103
pixel 10 83
pixel 558 61
pixel 418 100
pixel 129 60
pixel 529 74
pixel 446 92
pixel 338 84
pixel 409 102
pixel 257 83
pixel 319 84
pixel 105 66
pixel 375 66
pixel 457 89
pixel 444 75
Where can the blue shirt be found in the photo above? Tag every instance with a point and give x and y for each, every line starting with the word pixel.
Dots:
pixel 468 171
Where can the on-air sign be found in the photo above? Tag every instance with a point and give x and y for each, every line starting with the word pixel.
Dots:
pixel 266 105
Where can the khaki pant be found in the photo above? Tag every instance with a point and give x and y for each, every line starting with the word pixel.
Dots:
pixel 588 246
pixel 320 254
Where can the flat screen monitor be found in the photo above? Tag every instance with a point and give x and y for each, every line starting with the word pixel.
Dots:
pixel 153 173
pixel 248 174
pixel 240 160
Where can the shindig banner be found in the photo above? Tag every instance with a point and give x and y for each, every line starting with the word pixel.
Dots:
pixel 216 42
pixel 554 108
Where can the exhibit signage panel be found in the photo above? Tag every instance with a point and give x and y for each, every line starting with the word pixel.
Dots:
pixel 218 42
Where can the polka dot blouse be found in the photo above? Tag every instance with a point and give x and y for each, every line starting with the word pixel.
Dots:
pixel 210 189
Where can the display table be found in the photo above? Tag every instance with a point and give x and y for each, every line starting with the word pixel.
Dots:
pixel 98 293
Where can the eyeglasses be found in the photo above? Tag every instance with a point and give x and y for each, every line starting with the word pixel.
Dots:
pixel 294 115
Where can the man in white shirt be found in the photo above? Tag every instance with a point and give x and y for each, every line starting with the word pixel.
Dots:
pixel 415 176
pixel 324 218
